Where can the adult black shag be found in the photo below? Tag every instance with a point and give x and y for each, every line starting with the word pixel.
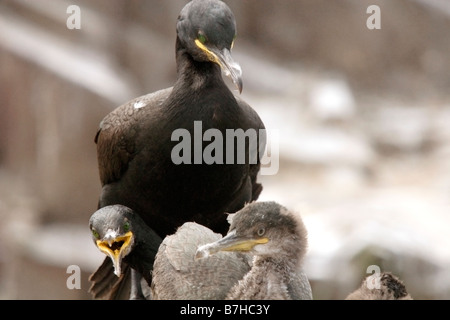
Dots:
pixel 260 258
pixel 382 286
pixel 146 161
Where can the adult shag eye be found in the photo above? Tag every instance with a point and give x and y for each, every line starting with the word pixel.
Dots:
pixel 202 38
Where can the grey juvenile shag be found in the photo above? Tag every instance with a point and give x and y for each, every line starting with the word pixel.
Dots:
pixel 260 258
pixel 135 142
pixel 383 286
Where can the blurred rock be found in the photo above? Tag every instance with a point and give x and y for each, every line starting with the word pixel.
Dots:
pixel 332 100
pixel 408 55
pixel 383 228
pixel 401 128
pixel 40 263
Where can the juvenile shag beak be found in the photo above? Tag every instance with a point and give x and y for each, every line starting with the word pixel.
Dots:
pixel 116 247
pixel 224 59
pixel 231 242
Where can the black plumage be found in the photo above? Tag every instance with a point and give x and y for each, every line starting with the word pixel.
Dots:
pixel 138 156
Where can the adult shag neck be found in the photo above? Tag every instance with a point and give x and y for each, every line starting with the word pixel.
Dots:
pixel 195 74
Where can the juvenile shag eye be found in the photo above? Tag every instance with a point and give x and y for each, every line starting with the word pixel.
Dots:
pixel 126 226
pixel 95 234
pixel 261 231
pixel 202 38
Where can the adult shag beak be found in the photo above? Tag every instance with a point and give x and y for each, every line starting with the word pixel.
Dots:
pixel 231 242
pixel 224 59
pixel 116 247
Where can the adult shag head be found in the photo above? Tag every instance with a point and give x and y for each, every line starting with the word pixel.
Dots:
pixel 122 235
pixel 207 30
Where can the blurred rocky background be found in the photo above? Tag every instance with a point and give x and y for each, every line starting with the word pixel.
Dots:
pixel 363 119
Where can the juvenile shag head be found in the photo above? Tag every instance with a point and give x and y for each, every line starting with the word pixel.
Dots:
pixel 264 229
pixel 207 30
pixel 277 240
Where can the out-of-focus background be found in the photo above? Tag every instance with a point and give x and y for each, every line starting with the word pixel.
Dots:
pixel 363 118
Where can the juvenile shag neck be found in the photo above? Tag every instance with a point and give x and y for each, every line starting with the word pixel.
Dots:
pixel 268 278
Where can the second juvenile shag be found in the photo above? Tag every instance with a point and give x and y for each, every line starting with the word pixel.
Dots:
pixel 260 258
